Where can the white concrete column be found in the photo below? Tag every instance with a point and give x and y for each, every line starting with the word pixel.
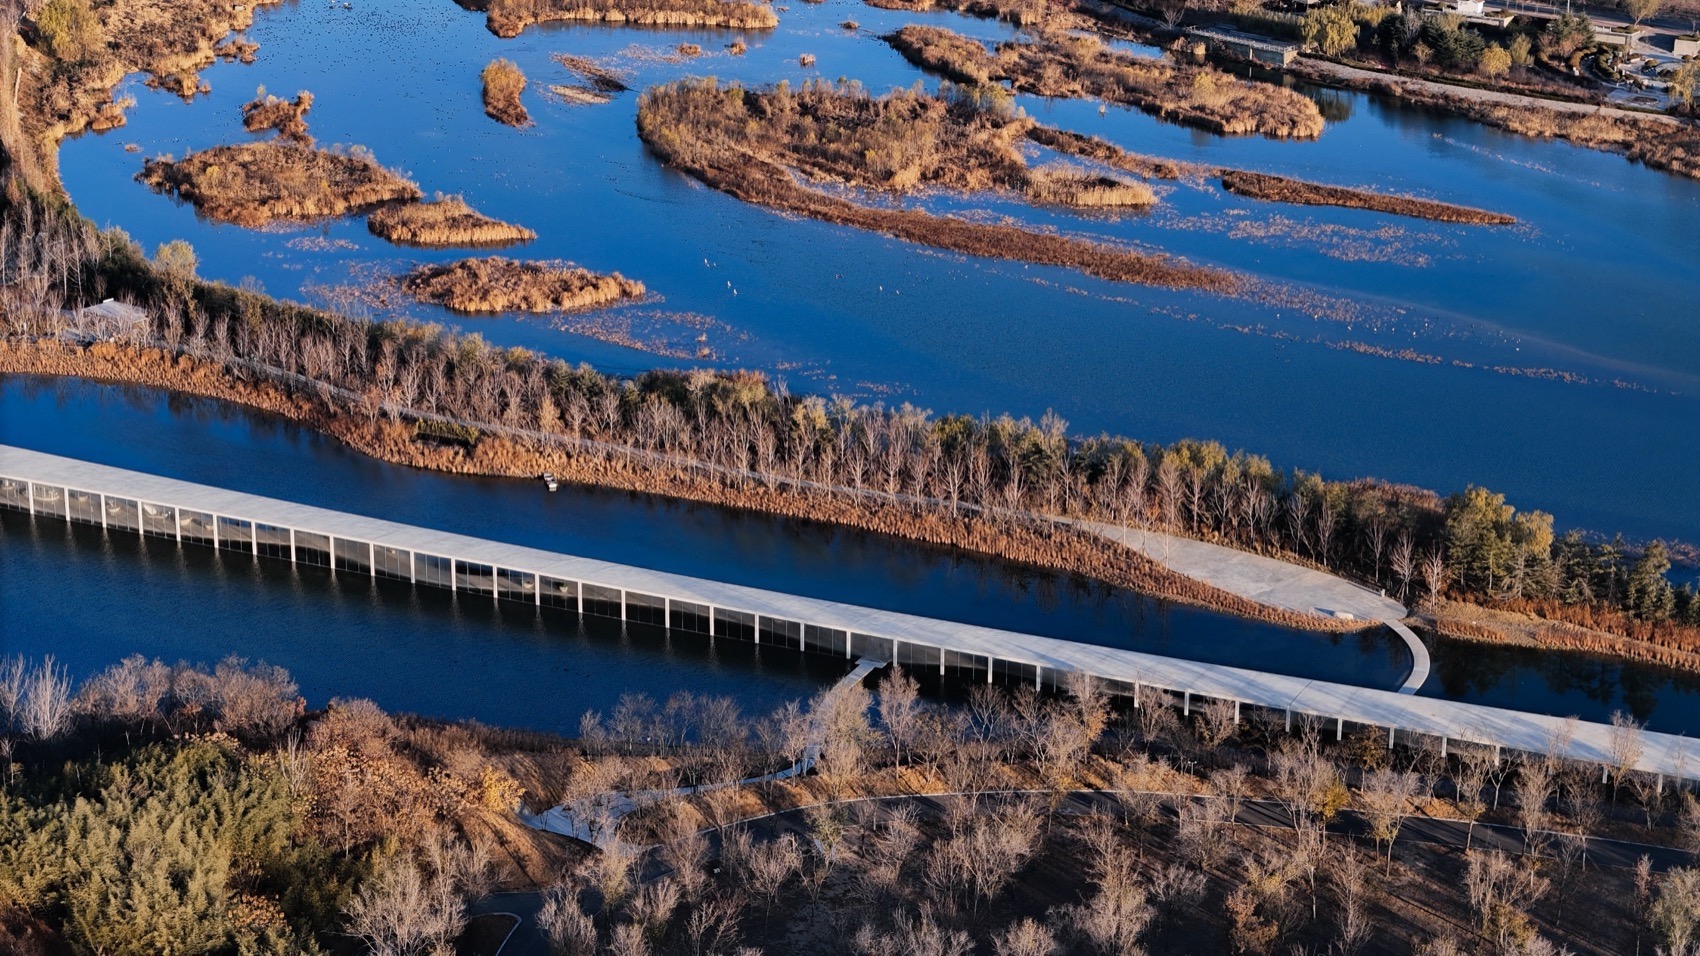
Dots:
pixel 371 559
pixel 711 620
pixel 1339 728
pixel 100 503
pixel 622 605
pixel 413 571
pixel 1289 720
pixel 292 559
pixel 29 494
pixel 1236 713
pixel 1186 704
pixel 756 633
pixel 215 531
pixel 1136 695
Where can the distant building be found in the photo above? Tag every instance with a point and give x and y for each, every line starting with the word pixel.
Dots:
pixel 109 320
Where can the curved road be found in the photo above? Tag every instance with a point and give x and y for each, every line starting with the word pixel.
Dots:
pixel 1274 583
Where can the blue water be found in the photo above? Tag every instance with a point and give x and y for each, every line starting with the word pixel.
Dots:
pixel 1597 282
pixel 90 599
pixel 214 443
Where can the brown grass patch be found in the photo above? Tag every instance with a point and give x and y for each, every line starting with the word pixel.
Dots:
pixel 253 184
pixel 594 74
pixel 503 84
pixel 506 18
pixel 287 118
pixel 1022 13
pixel 505 285
pixel 747 142
pixel 169 43
pixel 446 221
pixel 1281 189
pixel 1064 185
pixel 1068 65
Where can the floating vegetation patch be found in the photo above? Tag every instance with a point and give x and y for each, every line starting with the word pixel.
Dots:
pixel 445 221
pixel 253 184
pixel 503 83
pixel 496 284
pixel 1281 189
pixel 288 118
pixel 506 18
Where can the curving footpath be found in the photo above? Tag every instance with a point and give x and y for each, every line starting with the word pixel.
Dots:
pixel 1274 583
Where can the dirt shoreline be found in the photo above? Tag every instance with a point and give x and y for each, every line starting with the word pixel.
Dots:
pixel 1046 546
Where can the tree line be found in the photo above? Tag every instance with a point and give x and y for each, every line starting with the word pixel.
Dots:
pixel 748 430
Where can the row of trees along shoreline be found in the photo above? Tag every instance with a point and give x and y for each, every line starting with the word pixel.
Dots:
pixel 747 431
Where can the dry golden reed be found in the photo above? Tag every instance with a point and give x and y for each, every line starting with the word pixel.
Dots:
pixel 496 284
pixel 503 84
pixel 285 117
pixel 253 184
pixel 446 221
pixel 1281 189
pixel 747 142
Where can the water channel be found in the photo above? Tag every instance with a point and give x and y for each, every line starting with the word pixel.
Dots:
pixel 91 599
pixel 1557 360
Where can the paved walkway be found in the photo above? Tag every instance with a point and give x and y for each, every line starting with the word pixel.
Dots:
pixel 1498 97
pixel 1275 583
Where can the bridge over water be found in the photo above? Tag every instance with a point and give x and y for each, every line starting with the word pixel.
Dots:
pixel 54 487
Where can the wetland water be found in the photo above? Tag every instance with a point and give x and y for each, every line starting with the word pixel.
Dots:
pixel 90 599
pixel 1597 284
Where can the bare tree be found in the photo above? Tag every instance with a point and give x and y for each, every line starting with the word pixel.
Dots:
pixel 1025 938
pixel 1434 573
pixel 1499 889
pixel 567 927
pixel 1534 791
pixel 1403 562
pixel 405 911
pixel 44 710
pixel 1625 747
pixel 1353 925
pixel 1675 913
pixel 899 709
pixel 1387 797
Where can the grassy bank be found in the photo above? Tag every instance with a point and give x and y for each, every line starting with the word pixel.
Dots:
pixel 1069 65
pixel 253 184
pixel 506 18
pixel 505 285
pixel 503 83
pixel 746 142
pixel 1281 189
pixel 443 222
